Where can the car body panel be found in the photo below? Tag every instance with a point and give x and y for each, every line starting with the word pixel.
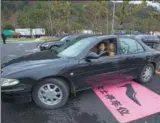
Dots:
pixel 132 64
pixel 150 40
pixel 98 72
pixel 34 69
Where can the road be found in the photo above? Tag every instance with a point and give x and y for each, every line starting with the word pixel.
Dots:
pixel 13 50
pixel 85 108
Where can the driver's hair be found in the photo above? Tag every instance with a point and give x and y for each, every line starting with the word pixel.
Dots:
pixel 102 43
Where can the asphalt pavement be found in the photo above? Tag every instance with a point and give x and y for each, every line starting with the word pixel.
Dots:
pixel 85 108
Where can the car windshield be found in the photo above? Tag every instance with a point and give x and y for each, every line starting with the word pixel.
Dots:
pixel 74 47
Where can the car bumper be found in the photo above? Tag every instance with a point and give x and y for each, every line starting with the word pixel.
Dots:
pixel 158 68
pixel 43 48
pixel 16 95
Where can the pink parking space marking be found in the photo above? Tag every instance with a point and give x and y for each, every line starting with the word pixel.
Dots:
pixel 129 101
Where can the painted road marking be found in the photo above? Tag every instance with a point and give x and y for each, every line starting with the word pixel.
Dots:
pixel 129 101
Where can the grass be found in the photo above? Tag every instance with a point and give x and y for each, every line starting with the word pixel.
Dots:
pixel 31 39
pixel 51 39
pixel 19 39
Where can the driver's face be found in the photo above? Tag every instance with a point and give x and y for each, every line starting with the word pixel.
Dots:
pixel 102 47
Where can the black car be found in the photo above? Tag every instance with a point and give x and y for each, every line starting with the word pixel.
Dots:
pixel 151 40
pixel 49 77
pixel 63 40
pixel 48 45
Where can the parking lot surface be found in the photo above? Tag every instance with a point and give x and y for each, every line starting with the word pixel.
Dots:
pixel 87 107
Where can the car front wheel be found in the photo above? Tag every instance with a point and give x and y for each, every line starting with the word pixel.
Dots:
pixel 53 47
pixel 146 74
pixel 50 94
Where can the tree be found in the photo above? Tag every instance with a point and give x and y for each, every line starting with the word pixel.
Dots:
pixel 24 18
pixel 126 12
pixel 8 26
pixel 60 14
pixel 96 14
pixel 76 26
pixel 23 4
pixel 55 16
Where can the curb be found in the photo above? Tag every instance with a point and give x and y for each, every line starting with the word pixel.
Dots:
pixel 12 42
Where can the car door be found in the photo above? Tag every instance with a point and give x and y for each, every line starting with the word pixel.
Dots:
pixel 97 72
pixel 133 58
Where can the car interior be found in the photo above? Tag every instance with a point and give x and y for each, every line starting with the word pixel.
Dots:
pixel 110 46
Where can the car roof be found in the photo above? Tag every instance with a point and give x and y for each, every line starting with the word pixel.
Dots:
pixel 101 37
pixel 84 35
pixel 144 35
pixel 77 36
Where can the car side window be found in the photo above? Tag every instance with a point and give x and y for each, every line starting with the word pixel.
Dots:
pixel 130 46
pixel 107 47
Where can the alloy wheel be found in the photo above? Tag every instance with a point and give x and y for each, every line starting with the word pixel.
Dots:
pixel 50 94
pixel 147 74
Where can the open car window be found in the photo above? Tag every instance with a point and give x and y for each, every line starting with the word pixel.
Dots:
pixel 110 47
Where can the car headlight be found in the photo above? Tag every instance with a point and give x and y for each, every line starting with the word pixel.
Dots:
pixel 8 82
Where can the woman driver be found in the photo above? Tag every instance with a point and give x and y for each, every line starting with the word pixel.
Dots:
pixel 102 49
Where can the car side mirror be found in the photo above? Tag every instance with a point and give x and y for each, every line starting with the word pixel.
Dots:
pixel 92 55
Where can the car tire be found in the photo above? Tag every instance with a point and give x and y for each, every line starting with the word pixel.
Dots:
pixel 142 77
pixel 53 47
pixel 40 99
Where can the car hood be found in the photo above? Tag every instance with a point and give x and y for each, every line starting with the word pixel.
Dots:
pixel 39 59
pixel 42 55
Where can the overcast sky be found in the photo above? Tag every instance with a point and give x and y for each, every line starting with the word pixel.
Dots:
pixel 157 5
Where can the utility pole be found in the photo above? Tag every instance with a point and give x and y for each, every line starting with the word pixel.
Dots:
pixel 114 6
pixel 107 5
pixel 50 17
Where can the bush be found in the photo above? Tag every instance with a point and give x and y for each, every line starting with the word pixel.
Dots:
pixel 8 26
